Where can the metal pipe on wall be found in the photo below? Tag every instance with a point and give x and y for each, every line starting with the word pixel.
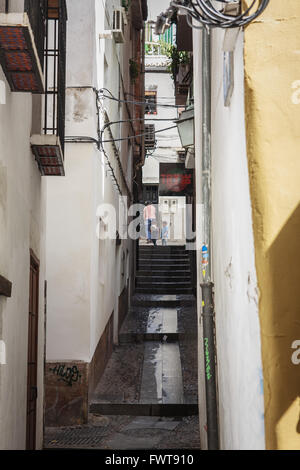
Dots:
pixel 208 314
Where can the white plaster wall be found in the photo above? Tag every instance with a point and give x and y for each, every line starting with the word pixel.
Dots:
pixel 236 296
pixel 197 39
pixel 83 272
pixel 168 142
pixel 22 226
pixel 69 202
pixel 240 387
pixel 71 236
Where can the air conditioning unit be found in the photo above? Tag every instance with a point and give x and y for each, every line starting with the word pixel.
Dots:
pixel 118 26
pixel 149 136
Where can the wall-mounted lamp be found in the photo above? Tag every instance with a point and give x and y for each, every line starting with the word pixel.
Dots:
pixel 185 126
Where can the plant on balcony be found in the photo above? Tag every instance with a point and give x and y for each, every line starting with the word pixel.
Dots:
pixel 177 58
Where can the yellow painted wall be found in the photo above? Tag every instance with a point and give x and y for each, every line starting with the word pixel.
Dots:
pixel 272 98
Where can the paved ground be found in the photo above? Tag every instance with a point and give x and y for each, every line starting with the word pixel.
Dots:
pixel 143 242
pixel 122 383
pixel 147 396
pixel 127 432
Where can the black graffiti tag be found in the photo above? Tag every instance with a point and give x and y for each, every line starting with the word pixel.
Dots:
pixel 69 375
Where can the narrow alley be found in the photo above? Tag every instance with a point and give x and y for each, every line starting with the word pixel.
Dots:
pixel 149 227
pixel 147 397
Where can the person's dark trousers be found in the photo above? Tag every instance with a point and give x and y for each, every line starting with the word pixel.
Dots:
pixel 149 229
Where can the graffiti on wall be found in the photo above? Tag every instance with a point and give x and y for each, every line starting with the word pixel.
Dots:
pixel 69 375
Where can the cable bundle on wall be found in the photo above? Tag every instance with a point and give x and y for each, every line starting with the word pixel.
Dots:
pixel 206 13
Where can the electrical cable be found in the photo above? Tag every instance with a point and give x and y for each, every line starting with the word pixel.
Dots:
pixel 138 135
pixel 137 103
pixel 208 15
pixel 100 142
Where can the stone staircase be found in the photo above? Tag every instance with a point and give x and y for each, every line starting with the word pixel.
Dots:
pixel 164 270
pixel 157 324
pixel 148 392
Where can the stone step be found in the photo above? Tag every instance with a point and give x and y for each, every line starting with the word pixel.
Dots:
pixel 125 338
pixel 144 409
pixel 164 290
pixel 151 266
pixel 163 260
pixel 162 375
pixel 163 283
pixel 163 279
pixel 177 273
pixel 164 249
pixel 160 255
pixel 161 300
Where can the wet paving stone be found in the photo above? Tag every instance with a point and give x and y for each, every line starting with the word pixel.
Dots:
pixel 127 432
pixel 147 396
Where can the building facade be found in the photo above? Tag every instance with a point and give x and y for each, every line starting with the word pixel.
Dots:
pixel 27 155
pixel 165 157
pixel 90 269
pixel 255 227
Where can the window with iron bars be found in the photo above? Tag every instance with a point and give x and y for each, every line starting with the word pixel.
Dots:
pixel 36 11
pixel 48 19
pixel 55 69
pixel 149 136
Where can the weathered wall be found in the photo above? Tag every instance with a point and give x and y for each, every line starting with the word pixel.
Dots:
pixel 22 227
pixel 272 74
pixel 84 273
pixel 236 294
pixel 197 39
pixel 240 392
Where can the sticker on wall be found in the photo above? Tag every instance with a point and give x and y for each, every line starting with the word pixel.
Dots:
pixel 228 77
pixel 2 353
pixel 2 92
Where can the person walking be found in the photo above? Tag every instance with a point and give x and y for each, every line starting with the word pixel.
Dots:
pixel 149 216
pixel 165 233
pixel 154 232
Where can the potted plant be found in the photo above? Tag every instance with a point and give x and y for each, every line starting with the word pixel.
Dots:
pixel 179 59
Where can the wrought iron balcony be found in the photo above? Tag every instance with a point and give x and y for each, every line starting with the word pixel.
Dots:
pixel 22 33
pixel 48 148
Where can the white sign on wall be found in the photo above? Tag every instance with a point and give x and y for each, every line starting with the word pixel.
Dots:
pixel 228 77
pixel 2 92
pixel 2 353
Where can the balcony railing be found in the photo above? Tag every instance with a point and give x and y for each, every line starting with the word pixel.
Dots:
pixel 49 148
pixel 55 69
pixel 37 14
pixel 33 58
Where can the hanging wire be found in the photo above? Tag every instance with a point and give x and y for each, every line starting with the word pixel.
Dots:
pixel 207 14
pixel 137 103
pixel 100 133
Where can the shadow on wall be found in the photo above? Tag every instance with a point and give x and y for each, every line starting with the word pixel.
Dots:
pixel 284 375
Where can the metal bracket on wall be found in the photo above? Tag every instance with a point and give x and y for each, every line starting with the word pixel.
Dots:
pixel 5 287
